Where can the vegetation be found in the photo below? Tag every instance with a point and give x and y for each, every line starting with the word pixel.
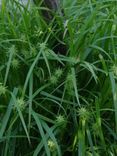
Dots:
pixel 58 80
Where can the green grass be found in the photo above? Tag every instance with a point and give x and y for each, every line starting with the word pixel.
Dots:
pixel 58 103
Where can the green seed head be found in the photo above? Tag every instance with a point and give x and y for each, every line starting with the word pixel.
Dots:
pixel 3 89
pixel 43 45
pixel 21 103
pixel 51 145
pixel 15 63
pixel 83 114
pixel 61 121
pixel 58 72
pixel 53 80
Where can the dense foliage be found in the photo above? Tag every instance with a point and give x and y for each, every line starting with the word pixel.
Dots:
pixel 58 79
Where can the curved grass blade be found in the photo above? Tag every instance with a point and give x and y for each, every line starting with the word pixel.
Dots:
pixel 7 114
pixel 44 139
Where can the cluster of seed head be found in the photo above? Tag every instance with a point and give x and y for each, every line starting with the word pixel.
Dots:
pixel 55 77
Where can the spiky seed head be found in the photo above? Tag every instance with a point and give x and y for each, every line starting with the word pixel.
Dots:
pixel 21 103
pixel 53 80
pixel 58 72
pixel 83 113
pixel 61 120
pixel 15 63
pixel 3 89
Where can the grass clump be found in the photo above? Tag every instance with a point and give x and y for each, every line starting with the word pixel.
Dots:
pixel 58 79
